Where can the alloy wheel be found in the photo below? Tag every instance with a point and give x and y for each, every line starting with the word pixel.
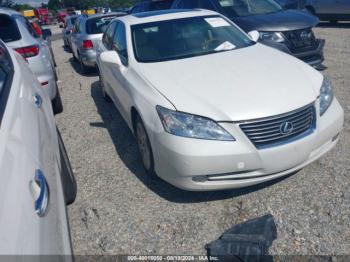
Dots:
pixel 144 145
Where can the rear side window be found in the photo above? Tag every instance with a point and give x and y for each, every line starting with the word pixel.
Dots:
pixel 6 74
pixel 29 27
pixel 98 25
pixel 107 37
pixel 119 43
pixel 8 29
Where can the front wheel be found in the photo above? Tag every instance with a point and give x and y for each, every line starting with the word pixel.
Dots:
pixel 144 146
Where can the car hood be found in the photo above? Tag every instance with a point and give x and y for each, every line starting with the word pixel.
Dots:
pixel 242 84
pixel 280 21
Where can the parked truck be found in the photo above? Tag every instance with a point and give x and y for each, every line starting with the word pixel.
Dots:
pixel 43 15
pixel 28 13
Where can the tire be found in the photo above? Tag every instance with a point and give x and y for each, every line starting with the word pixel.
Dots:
pixel 67 176
pixel 57 106
pixel 83 69
pixel 144 147
pixel 74 57
pixel 103 91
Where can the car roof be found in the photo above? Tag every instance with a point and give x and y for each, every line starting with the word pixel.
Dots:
pixel 161 15
pixel 8 11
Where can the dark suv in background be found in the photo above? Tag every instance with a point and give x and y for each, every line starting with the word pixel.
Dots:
pixel 151 5
pixel 287 30
pixel 292 4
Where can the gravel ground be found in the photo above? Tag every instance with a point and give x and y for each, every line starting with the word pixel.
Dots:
pixel 120 211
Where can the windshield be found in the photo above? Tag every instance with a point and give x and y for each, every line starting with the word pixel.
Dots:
pixel 185 37
pixel 98 25
pixel 234 8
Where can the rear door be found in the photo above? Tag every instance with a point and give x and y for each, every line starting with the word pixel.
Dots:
pixel 106 45
pixel 33 217
pixel 120 93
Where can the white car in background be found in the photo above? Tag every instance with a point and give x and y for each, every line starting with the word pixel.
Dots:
pixel 36 178
pixel 210 107
pixel 18 33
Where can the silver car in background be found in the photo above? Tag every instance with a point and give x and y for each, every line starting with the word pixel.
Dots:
pixel 68 26
pixel 36 178
pixel 87 34
pixel 329 10
pixel 19 34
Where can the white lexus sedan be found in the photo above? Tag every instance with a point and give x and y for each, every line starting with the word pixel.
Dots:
pixel 210 107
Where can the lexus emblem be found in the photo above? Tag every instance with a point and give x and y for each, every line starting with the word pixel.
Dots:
pixel 286 128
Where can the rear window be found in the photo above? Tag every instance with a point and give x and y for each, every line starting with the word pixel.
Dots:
pixel 8 29
pixel 98 25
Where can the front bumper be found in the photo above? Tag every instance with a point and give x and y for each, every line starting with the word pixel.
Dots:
pixel 312 56
pixel 201 165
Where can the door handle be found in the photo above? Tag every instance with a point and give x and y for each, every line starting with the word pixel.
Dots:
pixel 38 101
pixel 40 192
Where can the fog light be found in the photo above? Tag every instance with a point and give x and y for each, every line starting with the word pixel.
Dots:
pixel 200 179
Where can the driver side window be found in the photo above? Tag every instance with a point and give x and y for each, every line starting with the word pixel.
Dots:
pixel 119 43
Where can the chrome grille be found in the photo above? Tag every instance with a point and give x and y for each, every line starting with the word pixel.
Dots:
pixel 281 129
pixel 300 39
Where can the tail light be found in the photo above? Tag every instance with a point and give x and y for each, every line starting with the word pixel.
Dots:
pixel 87 44
pixel 28 51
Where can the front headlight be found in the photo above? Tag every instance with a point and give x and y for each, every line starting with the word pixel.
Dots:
pixel 271 36
pixel 187 125
pixel 326 95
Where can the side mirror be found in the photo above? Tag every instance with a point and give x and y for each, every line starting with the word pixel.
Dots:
pixel 46 33
pixel 254 35
pixel 110 57
pixel 61 26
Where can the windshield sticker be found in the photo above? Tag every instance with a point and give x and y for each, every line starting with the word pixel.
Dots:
pixel 225 46
pixel 216 21
pixel 153 29
pixel 226 3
